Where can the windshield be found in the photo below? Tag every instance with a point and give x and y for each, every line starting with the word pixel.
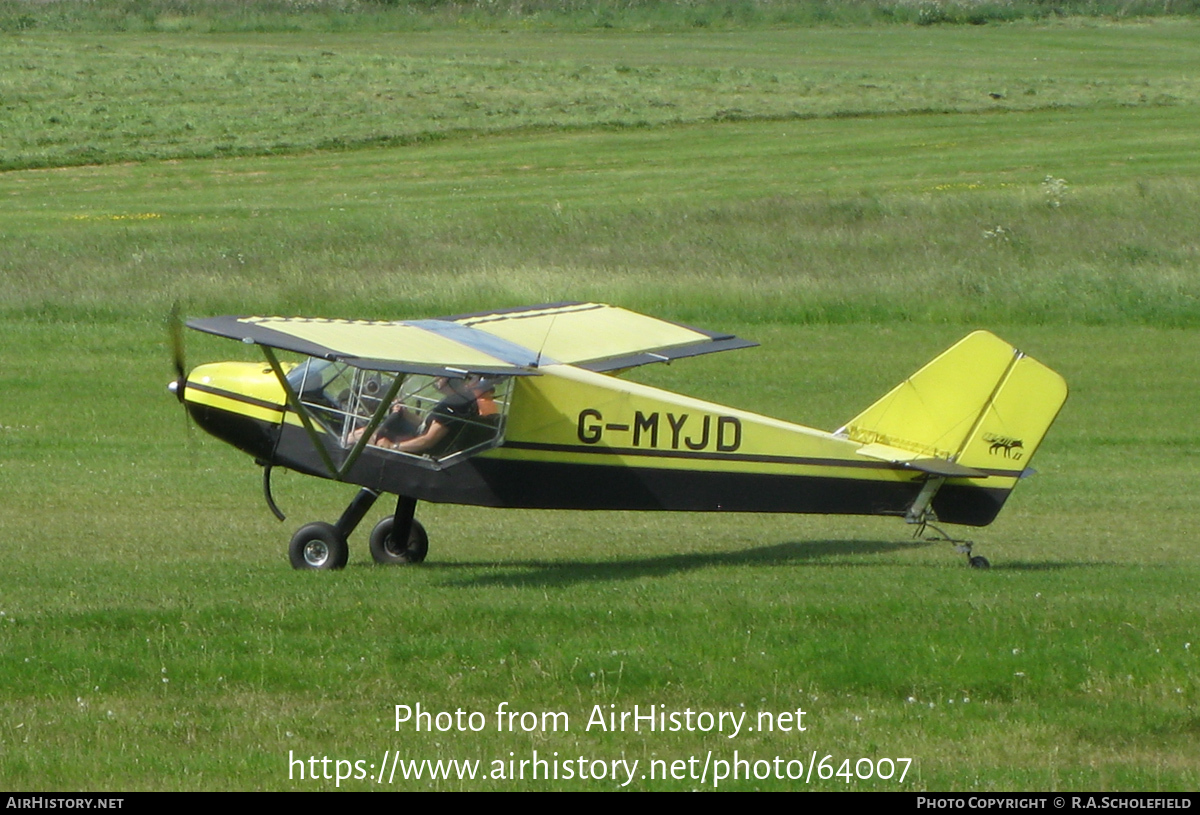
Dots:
pixel 323 388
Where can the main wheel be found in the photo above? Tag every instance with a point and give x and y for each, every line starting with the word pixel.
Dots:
pixel 388 551
pixel 979 562
pixel 318 546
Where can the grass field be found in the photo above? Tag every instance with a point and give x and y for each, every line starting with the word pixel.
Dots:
pixel 852 198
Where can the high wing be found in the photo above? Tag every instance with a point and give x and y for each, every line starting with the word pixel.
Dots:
pixel 598 337
pixel 511 342
pixel 433 347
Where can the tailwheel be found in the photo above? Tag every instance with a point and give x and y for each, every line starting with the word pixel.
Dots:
pixel 318 546
pixel 963 547
pixel 389 551
pixel 976 561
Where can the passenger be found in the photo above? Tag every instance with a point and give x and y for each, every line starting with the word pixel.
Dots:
pixel 485 396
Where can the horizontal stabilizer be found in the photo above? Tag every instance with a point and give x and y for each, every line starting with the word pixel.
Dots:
pixel 915 461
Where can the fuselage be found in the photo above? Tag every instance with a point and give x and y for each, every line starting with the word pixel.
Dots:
pixel 574 439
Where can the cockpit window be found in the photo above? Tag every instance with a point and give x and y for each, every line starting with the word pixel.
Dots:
pixel 431 418
pixel 311 374
pixel 324 388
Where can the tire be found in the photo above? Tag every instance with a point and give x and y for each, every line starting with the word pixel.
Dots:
pixel 318 546
pixel 980 563
pixel 387 552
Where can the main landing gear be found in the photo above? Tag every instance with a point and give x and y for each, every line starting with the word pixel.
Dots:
pixel 398 538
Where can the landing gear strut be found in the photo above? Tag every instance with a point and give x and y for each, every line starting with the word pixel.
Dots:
pixel 921 514
pixel 323 546
pixel 400 538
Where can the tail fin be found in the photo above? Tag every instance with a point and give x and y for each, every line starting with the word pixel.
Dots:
pixel 983 406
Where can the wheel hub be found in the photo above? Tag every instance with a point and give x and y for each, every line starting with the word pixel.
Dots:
pixel 394 547
pixel 316 553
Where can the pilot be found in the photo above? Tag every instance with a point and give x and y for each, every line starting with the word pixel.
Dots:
pixel 460 404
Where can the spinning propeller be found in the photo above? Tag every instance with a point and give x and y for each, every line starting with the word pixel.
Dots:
pixel 175 337
pixel 179 383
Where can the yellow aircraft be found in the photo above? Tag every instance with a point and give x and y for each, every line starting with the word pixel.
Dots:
pixel 520 408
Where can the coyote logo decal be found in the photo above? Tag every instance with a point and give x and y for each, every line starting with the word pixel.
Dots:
pixel 1004 445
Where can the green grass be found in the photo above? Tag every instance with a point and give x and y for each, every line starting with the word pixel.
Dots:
pixel 1067 666
pixel 343 16
pixel 800 174
pixel 152 635
pixel 911 218
pixel 101 98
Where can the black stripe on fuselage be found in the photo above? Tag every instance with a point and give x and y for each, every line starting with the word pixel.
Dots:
pixel 756 458
pixel 517 483
pixel 237 397
pixel 646 452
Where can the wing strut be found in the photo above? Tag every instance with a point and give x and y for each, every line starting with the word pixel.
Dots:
pixel 293 398
pixel 376 420
pixel 305 419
